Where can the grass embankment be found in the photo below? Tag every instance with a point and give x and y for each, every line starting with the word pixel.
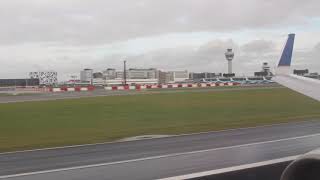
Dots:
pixel 65 122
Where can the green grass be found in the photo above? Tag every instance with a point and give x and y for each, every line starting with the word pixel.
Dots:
pixel 89 120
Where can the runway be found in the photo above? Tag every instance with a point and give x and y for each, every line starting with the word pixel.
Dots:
pixel 102 92
pixel 164 157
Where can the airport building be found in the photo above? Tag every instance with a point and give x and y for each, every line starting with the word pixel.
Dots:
pixel 265 71
pixel 229 75
pixel 47 78
pixel 86 75
pixel 19 82
pixel 178 76
pixel 301 72
pixel 229 56
pixel 119 75
pixel 109 73
pixel 143 73
pixel 98 81
pixel 266 68
pixel 204 75
pixel 97 75
pixel 164 77
pixel 306 73
pixel 110 82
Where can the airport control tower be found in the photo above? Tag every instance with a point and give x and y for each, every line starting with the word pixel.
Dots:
pixel 229 56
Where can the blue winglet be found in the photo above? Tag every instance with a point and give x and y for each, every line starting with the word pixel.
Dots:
pixel 286 56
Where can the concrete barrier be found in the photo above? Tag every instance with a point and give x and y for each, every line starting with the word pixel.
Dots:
pixel 164 86
pixel 83 89
pixel 132 87
pixel 203 85
pixel 71 89
pixel 56 89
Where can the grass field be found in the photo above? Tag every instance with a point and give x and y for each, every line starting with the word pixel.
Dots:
pixel 89 120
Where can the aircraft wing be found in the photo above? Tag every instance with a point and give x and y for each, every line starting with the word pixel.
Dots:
pixel 303 167
pixel 307 86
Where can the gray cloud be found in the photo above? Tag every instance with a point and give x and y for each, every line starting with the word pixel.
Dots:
pixel 96 21
pixel 259 46
pixel 68 35
pixel 210 57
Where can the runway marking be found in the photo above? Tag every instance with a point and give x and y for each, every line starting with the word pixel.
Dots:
pixel 231 169
pixel 154 157
pixel 179 135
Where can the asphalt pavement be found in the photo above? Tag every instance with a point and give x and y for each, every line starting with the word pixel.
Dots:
pixel 164 157
pixel 5 98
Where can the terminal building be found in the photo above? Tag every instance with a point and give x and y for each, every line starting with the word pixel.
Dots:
pixel 19 82
pixel 178 76
pixel 301 72
pixel 86 76
pixel 143 76
pixel 135 73
pixel 203 75
pixel 109 73
pixel 164 77
pixel 306 73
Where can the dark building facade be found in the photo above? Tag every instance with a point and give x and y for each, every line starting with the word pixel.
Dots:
pixel 19 82
pixel 98 75
pixel 229 75
pixel 301 72
pixel 261 74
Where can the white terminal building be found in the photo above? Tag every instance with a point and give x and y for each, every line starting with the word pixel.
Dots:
pixel 47 78
pixel 86 75
pixel 135 73
pixel 109 73
pixel 134 76
pixel 178 76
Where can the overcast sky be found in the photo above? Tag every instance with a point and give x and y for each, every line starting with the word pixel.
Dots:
pixel 69 35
